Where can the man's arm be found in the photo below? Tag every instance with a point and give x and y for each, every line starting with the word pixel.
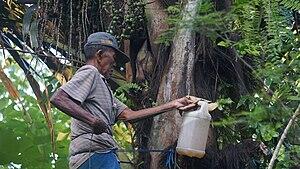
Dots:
pixel 130 115
pixel 71 107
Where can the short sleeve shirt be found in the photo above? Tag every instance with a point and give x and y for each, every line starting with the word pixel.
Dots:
pixel 90 88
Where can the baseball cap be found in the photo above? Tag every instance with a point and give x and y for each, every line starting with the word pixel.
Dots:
pixel 106 39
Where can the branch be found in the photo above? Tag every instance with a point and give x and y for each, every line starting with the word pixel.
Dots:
pixel 283 136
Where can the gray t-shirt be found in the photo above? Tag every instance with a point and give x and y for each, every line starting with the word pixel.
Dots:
pixel 90 88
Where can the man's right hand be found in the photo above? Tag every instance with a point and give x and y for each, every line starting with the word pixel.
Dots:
pixel 99 126
pixel 72 107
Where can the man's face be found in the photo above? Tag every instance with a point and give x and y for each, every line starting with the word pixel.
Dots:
pixel 107 62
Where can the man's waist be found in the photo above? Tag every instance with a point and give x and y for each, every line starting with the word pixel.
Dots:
pixel 90 142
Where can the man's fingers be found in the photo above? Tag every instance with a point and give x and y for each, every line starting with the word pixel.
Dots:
pixel 190 101
pixel 193 98
pixel 187 107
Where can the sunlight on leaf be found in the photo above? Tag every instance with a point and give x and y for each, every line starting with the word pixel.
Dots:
pixel 61 136
pixel 9 85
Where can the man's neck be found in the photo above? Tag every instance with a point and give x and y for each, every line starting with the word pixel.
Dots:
pixel 95 64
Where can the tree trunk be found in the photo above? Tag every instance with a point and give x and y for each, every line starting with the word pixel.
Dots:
pixel 176 82
pixel 156 23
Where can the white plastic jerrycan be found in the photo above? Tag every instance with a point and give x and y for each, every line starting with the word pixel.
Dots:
pixel 194 132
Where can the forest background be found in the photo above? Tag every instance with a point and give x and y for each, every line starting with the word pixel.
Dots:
pixel 244 55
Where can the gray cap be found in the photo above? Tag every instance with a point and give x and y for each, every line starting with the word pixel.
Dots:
pixel 106 39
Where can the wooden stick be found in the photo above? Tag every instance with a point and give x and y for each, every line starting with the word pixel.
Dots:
pixel 283 136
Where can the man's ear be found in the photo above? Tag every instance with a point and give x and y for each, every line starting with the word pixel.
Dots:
pixel 99 54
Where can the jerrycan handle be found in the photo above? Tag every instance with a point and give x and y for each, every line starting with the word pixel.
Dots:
pixel 203 109
pixel 203 106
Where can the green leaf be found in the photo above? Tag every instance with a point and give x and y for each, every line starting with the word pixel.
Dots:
pixel 224 44
pixel 4 103
pixel 268 132
pixel 9 146
pixel 295 98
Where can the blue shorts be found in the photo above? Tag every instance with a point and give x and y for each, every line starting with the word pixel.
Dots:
pixel 102 161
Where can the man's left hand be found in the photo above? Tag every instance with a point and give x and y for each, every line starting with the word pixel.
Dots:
pixel 184 104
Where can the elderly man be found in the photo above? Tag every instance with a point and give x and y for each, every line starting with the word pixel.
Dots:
pixel 88 99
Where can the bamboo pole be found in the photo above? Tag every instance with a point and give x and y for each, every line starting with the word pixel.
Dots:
pixel 283 136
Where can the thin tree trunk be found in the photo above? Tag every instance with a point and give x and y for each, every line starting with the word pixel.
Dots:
pixel 176 82
pixel 283 136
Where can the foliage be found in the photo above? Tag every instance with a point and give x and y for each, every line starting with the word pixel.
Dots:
pixel 25 139
pixel 127 134
pixel 124 132
pixel 293 4
pixel 173 20
pixel 128 20
pixel 267 32
pixel 124 92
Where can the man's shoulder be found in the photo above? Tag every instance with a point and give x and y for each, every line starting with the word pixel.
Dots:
pixel 86 71
pixel 89 68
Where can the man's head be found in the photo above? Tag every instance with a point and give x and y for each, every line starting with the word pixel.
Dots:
pixel 103 48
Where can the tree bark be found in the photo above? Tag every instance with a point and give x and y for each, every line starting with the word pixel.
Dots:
pixel 156 23
pixel 176 82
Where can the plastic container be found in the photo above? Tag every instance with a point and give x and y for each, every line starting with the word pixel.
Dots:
pixel 194 132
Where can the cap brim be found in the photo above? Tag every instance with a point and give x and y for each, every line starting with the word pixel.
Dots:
pixel 122 58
